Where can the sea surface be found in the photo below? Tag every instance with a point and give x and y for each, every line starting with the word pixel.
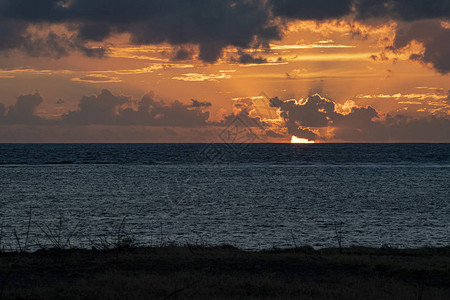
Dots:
pixel 253 196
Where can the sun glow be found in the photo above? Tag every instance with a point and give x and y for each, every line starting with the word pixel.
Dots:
pixel 297 140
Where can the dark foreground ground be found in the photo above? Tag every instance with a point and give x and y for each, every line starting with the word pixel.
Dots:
pixel 227 273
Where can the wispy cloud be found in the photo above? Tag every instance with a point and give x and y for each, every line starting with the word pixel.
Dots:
pixel 150 69
pixel 151 53
pixel 318 45
pixel 202 77
pixel 12 72
pixel 329 57
pixel 97 78
pixel 404 96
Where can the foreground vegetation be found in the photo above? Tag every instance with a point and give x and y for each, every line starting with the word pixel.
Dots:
pixel 180 272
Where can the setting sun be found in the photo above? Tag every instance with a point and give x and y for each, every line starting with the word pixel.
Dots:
pixel 297 140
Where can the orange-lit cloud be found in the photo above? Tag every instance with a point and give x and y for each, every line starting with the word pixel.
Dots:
pixel 312 118
pixel 391 58
pixel 97 78
pixel 319 45
pixel 202 77
pixel 406 96
pixel 349 27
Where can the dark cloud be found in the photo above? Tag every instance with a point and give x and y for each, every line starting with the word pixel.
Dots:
pixel 209 23
pixel 408 10
pixel 211 51
pixel 310 117
pixel 14 34
pixel 273 134
pixel 419 26
pixel 11 34
pixel 109 109
pixel 96 32
pixel 3 111
pixel 196 104
pixel 398 128
pixel 435 39
pixel 311 10
pixel 245 59
pixel 100 109
pixel 23 112
pixel 52 45
pixel 299 117
pixel 314 118
pixel 182 54
pixel 152 112
pixel 315 111
pixel 300 132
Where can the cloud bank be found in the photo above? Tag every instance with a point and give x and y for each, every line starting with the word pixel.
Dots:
pixel 314 118
pixel 435 39
pixel 318 118
pixel 210 24
pixel 109 109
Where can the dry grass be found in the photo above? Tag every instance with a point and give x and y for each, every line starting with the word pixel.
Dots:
pixel 227 273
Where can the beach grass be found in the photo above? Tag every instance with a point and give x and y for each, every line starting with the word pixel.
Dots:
pixel 225 272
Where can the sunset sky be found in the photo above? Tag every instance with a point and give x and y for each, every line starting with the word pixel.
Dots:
pixel 186 71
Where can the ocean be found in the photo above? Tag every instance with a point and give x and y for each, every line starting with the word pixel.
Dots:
pixel 252 196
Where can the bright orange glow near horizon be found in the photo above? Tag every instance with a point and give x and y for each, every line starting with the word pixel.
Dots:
pixel 297 140
pixel 378 81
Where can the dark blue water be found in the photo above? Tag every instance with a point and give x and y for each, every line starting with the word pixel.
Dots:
pixel 149 154
pixel 252 196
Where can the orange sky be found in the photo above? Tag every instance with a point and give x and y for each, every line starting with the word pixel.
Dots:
pixel 343 61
